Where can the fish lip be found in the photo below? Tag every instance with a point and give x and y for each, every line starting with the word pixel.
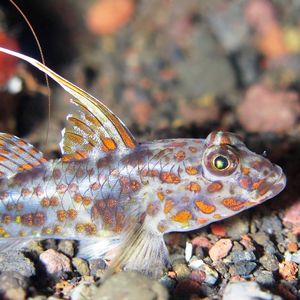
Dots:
pixel 280 180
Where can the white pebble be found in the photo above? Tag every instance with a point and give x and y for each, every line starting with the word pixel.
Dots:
pixel 188 251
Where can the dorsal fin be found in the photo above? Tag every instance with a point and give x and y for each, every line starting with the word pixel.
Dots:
pixel 16 155
pixel 95 126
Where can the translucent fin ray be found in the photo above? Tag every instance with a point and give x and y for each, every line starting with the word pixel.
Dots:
pixel 16 155
pixel 141 250
pixel 108 131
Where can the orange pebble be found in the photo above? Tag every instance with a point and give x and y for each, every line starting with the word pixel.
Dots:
pixel 107 16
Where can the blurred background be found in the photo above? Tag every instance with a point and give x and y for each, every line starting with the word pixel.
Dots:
pixel 166 68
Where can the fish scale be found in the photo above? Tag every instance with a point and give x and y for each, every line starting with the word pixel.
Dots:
pixel 112 193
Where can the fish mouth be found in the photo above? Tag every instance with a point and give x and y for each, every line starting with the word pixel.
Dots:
pixel 274 188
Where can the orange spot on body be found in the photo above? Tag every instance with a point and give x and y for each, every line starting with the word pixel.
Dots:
pixel 25 167
pixel 61 215
pixel 169 177
pixel 135 185
pixel 77 198
pixel 202 220
pixel 193 149
pixel 257 184
pixel 225 140
pixel 191 170
pixel 182 216
pixel 160 196
pixel 25 192
pixel 86 201
pixel 152 209
pixel 180 155
pixel 54 201
pixel 194 187
pixel 72 214
pixel 204 207
pixel 233 204
pixel 214 187
pixel 45 202
pixel 245 182
pixel 245 170
pixel 6 219
pixel 168 206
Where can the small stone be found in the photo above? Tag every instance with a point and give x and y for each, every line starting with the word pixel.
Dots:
pixel 12 280
pixel 168 282
pixel 261 238
pixel 269 262
pixel 15 294
pixel 244 268
pixel 239 256
pixel 265 278
pixel 292 247
pixel 195 263
pixel 66 247
pixel 255 115
pixel 55 262
pixel 218 229
pixel 188 251
pixel 271 224
pixel 16 261
pixel 237 226
pixel 295 257
pixel 81 266
pixel 201 241
pixel 246 291
pixel 220 249
pixel 211 275
pixel 198 276
pixel 129 285
pixel 186 288
pixel 288 270
pixel 82 292
pixel 182 271
pixel 97 264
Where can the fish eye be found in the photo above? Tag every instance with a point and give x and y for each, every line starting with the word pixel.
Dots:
pixel 221 162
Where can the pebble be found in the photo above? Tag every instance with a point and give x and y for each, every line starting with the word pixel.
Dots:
pixel 168 282
pixel 240 256
pixel 188 251
pixel 198 275
pixel 66 247
pixel 201 241
pixel 16 261
pixel 195 263
pixel 220 249
pixel 244 268
pixel 182 271
pixel 269 262
pixel 97 264
pixel 211 275
pixel 295 257
pixel 129 285
pixel 265 278
pixel 237 226
pixel 247 291
pixel 81 266
pixel 12 280
pixel 288 270
pixel 186 288
pixel 255 115
pixel 15 294
pixel 218 229
pixel 55 262
pixel 82 292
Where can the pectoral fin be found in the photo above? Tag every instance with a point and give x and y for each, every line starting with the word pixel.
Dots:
pixel 143 251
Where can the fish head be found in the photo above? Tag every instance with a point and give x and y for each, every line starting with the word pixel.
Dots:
pixel 248 178
pixel 231 178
